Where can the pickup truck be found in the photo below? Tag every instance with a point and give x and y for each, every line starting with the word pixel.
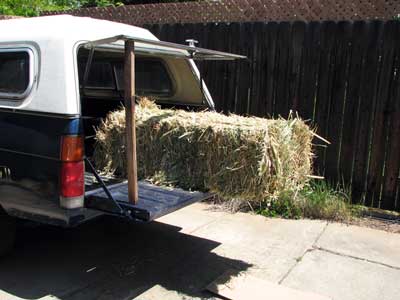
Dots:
pixel 59 77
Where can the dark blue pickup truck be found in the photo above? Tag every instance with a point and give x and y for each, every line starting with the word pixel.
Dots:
pixel 59 77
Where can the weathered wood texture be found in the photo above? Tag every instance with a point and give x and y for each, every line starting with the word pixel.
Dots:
pixel 342 76
pixel 129 83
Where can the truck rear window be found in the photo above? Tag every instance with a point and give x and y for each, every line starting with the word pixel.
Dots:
pixel 14 73
pixel 152 77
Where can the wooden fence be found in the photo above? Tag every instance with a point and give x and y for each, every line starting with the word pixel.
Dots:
pixel 342 76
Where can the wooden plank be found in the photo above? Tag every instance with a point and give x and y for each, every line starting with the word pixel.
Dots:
pixel 164 33
pixel 397 206
pixel 179 36
pixel 221 78
pixel 352 103
pixel 380 123
pixel 245 68
pixel 322 102
pixel 129 83
pixel 310 65
pixel 258 58
pixel 337 102
pixel 368 82
pixel 392 159
pixel 269 73
pixel 233 76
pixel 282 69
pixel 296 67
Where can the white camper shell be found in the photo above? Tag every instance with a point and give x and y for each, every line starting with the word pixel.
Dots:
pixel 54 85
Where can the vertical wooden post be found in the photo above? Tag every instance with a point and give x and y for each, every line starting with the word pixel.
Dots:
pixel 129 84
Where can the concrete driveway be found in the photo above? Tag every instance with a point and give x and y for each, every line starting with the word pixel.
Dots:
pixel 178 256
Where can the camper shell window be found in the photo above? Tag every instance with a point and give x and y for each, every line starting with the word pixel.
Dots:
pixel 107 73
pixel 15 73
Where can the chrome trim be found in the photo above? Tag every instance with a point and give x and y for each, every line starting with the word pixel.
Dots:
pixel 72 202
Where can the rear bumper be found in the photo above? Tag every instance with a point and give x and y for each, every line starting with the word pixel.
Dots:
pixel 48 212
pixel 69 219
pixel 154 202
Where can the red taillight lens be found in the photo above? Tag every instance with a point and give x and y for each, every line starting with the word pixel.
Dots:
pixel 72 148
pixel 72 179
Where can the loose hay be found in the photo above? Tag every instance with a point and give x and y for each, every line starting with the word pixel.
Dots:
pixel 246 158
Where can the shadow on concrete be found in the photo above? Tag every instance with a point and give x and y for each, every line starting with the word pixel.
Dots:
pixel 110 259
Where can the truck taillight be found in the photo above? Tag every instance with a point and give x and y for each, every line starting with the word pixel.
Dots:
pixel 72 148
pixel 72 178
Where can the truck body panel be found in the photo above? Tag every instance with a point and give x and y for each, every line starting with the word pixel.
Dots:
pixel 48 107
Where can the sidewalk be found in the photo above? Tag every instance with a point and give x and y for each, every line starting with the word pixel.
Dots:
pixel 340 261
pixel 177 257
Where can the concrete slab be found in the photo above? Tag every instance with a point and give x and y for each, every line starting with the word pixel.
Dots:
pixel 244 287
pixel 158 292
pixel 271 246
pixel 366 243
pixel 175 259
pixel 344 278
pixel 104 260
pixel 193 217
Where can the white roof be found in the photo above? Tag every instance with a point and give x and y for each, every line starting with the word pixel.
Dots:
pixel 54 41
pixel 66 28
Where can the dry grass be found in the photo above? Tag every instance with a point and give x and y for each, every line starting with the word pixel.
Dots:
pixel 246 158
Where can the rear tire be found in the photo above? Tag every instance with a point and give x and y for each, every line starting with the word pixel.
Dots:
pixel 7 232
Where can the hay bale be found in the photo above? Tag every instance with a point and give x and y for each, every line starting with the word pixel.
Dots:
pixel 236 157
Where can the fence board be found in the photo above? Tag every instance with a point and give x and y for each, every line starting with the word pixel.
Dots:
pixel 368 82
pixel 244 70
pixel 296 70
pixel 257 70
pixel 380 124
pixel 392 160
pixel 269 79
pixel 325 78
pixel 282 69
pixel 233 72
pixel 340 70
pixel 310 63
pixel 351 116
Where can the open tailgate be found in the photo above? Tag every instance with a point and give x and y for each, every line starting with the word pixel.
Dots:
pixel 154 201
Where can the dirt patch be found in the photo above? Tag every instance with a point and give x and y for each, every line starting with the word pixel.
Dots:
pixel 386 224
pixel 377 223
